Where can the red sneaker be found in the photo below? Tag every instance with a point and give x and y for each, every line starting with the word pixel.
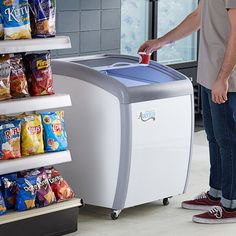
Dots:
pixel 201 202
pixel 216 215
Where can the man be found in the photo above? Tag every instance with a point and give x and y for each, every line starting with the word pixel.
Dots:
pixel 216 20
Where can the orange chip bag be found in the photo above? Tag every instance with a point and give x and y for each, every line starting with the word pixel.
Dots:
pixel 31 135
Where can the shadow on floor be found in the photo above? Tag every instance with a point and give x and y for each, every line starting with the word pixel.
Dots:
pixel 198 123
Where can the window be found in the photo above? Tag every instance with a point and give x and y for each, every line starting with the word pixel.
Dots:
pixel 134 25
pixel 170 14
pixel 135 28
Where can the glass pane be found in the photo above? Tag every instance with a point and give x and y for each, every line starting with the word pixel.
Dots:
pixel 170 14
pixel 134 25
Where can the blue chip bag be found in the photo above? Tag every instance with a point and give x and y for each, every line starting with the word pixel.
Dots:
pixel 10 139
pixel 9 189
pixel 26 193
pixel 55 138
pixel 43 18
pixel 3 208
pixel 16 19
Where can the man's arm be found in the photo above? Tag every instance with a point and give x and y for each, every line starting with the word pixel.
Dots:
pixel 220 88
pixel 189 25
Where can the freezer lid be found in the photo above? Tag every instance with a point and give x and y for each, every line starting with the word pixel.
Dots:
pixel 117 61
pixel 132 75
pixel 126 92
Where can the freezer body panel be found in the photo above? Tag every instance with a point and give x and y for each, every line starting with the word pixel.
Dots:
pixel 93 127
pixel 161 142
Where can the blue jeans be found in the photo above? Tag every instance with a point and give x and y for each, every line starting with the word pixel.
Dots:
pixel 220 125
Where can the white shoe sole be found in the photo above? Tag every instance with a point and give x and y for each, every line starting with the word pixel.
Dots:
pixel 196 207
pixel 213 221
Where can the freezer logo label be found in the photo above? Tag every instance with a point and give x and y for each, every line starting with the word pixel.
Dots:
pixel 147 115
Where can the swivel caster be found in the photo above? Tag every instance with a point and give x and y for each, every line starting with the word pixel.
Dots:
pixel 115 214
pixel 165 201
pixel 82 203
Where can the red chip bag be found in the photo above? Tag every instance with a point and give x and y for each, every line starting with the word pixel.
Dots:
pixel 39 74
pixel 19 86
pixel 59 186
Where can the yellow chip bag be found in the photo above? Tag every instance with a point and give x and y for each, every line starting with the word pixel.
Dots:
pixel 31 135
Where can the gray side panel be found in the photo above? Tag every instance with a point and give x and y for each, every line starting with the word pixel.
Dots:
pixel 160 91
pixel 191 147
pixel 125 158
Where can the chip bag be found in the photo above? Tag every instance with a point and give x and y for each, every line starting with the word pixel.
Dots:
pixel 44 196
pixel 10 139
pixel 16 19
pixel 55 138
pixel 4 117
pixel 43 18
pixel 3 208
pixel 1 28
pixel 31 135
pixel 59 186
pixel 18 81
pixel 5 77
pixel 26 193
pixel 39 74
pixel 9 190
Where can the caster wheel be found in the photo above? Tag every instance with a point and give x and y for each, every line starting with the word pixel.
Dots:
pixel 166 201
pixel 82 203
pixel 115 214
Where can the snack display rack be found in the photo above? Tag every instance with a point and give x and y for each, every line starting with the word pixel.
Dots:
pixel 60 218
pixel 35 161
pixel 30 103
pixel 40 44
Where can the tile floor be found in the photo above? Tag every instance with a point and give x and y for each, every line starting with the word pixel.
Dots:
pixel 154 219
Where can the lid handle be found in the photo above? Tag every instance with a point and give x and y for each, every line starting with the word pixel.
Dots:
pixel 117 64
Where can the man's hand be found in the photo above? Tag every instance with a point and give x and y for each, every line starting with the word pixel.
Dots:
pixel 219 91
pixel 151 45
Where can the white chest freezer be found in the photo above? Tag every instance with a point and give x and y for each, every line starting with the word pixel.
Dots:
pixel 130 130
